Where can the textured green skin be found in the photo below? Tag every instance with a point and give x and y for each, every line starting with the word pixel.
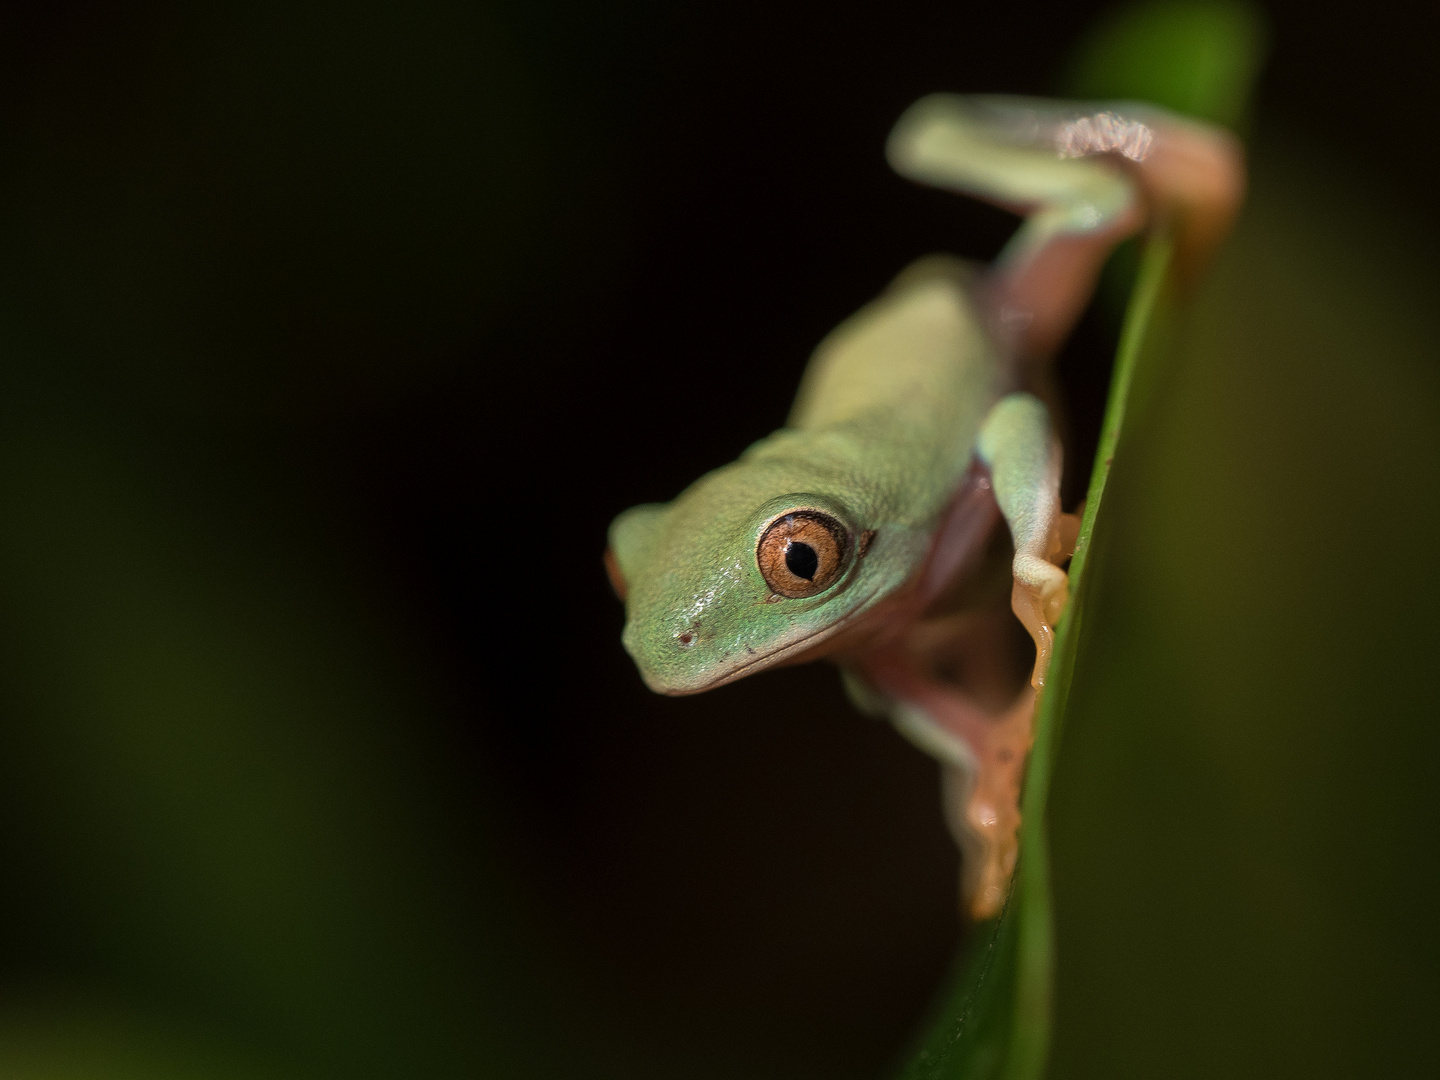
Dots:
pixel 881 435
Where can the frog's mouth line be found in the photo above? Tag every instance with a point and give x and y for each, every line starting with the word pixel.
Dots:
pixel 815 637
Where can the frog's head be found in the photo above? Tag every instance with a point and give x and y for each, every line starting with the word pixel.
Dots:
pixel 717 587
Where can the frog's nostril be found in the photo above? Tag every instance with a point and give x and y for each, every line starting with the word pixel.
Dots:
pixel 686 638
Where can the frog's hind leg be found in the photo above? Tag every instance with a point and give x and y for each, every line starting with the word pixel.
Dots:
pixel 982 754
pixel 1086 176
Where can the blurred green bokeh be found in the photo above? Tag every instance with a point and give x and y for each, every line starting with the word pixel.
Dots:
pixel 1243 817
pixel 1200 58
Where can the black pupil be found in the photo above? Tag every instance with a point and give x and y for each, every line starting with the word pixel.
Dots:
pixel 802 560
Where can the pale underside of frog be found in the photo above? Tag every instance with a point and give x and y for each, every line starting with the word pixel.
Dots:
pixel 863 530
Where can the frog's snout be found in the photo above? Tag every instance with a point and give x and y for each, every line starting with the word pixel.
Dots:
pixel 671 661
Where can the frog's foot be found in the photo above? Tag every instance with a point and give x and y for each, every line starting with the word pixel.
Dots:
pixel 983 755
pixel 1042 590
pixel 982 806
pixel 1067 531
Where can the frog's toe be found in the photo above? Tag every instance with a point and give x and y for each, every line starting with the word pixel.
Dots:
pixel 1045 581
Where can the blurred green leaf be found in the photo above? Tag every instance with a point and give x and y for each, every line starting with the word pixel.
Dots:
pixel 995 1020
pixel 1243 811
pixel 1196 58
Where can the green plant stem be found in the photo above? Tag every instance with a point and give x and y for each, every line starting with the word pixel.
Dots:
pixel 1030 902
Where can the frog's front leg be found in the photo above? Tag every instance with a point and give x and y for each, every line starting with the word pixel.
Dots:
pixel 1019 445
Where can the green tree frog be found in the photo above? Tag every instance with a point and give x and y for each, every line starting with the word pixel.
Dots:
pixel 859 532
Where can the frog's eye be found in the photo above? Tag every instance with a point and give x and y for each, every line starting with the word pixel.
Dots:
pixel 802 553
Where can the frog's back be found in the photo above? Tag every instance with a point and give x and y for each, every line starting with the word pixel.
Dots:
pixel 912 375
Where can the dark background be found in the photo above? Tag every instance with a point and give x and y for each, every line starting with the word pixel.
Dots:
pixel 333 337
